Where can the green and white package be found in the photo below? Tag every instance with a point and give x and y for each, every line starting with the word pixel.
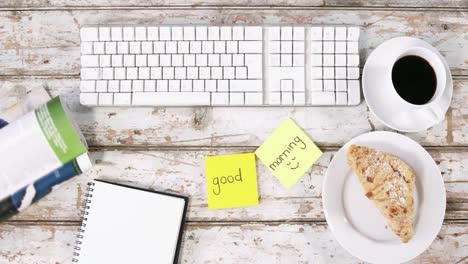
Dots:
pixel 36 144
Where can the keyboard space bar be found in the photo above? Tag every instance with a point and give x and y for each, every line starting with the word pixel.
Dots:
pixel 171 99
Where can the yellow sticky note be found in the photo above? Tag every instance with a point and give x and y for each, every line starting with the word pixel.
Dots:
pixel 288 153
pixel 231 181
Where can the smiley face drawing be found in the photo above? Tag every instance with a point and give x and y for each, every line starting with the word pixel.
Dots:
pixel 293 167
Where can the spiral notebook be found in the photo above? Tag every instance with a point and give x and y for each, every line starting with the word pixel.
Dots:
pixel 124 224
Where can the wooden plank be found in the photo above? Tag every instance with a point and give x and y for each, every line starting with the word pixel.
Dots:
pixel 184 172
pixel 226 243
pixel 206 126
pixel 47 42
pixel 223 3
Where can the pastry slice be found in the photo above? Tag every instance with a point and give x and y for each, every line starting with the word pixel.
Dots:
pixel 389 182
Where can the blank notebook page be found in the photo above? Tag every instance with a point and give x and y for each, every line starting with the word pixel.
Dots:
pixel 128 225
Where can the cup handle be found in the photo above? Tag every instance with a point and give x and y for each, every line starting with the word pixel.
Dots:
pixel 437 113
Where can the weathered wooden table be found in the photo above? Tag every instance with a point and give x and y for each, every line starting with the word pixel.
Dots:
pixel 165 148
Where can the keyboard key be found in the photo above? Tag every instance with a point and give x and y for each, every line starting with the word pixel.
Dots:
pixel 198 85
pixel 177 33
pixel 213 60
pixel 111 47
pixel 352 47
pixel 122 47
pixel 226 33
pixel 122 99
pixel 316 33
pixel 98 48
pixel 104 34
pixel 250 47
pixel 147 47
pixel 253 98
pixel 116 34
pixel 353 33
pixel 210 85
pixel 156 73
pixel 201 33
pixel 253 33
pixel 207 47
pixel 105 61
pixel 162 85
pixel 353 73
pixel 189 33
pixel 226 60
pixel 298 98
pixel 171 99
pixel 298 33
pixel 91 73
pixel 286 98
pixel 182 47
pixel 328 33
pixel 126 86
pixel 219 47
pixel 106 99
pixel 316 85
pixel 213 33
pixel 353 60
pixel 238 60
pixel 354 92
pixel 153 33
pixel 238 33
pixel 316 47
pixel 137 86
pixel 220 98
pixel 340 47
pixel 150 86
pixel 140 33
pixel 174 85
pixel 216 73
pixel 286 33
pixel 322 98
pixel 90 61
pixel 241 73
pixel 236 98
pixel 341 99
pixel 171 47
pixel 254 64
pixel 89 34
pixel 340 33
pixel 204 73
pixel 275 98
pixel 128 33
pixel 113 86
pixel 87 86
pixel 153 60
pixel 108 73
pixel 186 85
pixel 164 33
pixel 341 85
pixel 223 85
pixel 90 99
pixel 329 85
pixel 246 85
pixel 86 48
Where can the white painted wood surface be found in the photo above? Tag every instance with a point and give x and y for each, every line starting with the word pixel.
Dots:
pixel 164 148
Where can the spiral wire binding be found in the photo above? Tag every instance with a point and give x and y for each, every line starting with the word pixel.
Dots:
pixel 84 213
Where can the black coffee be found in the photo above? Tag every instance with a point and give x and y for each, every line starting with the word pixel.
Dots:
pixel 414 79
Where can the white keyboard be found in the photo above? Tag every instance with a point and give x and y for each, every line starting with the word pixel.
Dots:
pixel 219 66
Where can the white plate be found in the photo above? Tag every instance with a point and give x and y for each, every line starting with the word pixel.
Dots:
pixel 372 84
pixel 357 224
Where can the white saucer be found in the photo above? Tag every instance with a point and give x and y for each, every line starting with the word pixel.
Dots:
pixel 372 81
pixel 355 221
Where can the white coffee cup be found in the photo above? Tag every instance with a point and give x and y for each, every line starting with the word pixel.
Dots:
pixel 431 108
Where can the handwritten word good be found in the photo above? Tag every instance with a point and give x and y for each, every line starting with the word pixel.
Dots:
pixel 231 181
pixel 288 153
